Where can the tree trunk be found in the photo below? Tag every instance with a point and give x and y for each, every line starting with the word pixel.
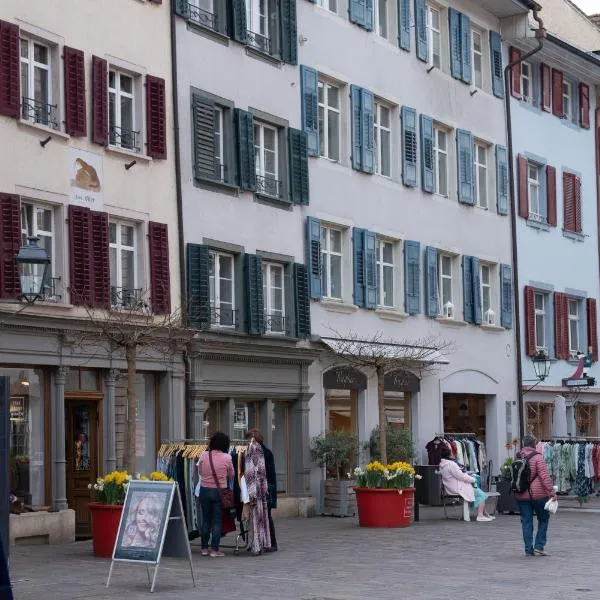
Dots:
pixel 130 431
pixel 382 419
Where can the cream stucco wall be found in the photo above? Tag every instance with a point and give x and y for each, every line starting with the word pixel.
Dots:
pixel 565 20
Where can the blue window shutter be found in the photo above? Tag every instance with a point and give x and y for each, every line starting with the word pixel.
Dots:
pixel 501 180
pixel 427 153
pixel 238 18
pixel 476 273
pixel 356 110
pixel 370 270
pixel 367 104
pixel 313 257
pixel 255 306
pixel 506 293
pixel 301 301
pixel 431 282
pixel 412 277
pixel 358 250
pixel 289 31
pixel 181 8
pixel 404 24
pixel 468 309
pixel 357 12
pixel 465 48
pixel 496 64
pixel 369 15
pixel 421 30
pixel 409 146
pixel 198 285
pixel 455 43
pixel 464 148
pixel 244 126
pixel 298 167
pixel 309 83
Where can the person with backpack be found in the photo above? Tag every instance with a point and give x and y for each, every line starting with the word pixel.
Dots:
pixel 532 485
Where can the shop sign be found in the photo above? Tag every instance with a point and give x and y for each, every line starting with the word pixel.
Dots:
pixel 17 408
pixel 344 379
pixel 402 381
pixel 240 418
pixel 86 181
pixel 579 382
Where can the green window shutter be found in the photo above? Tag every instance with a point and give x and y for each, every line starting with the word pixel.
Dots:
pixel 357 12
pixel 309 83
pixel 468 310
pixel 496 64
pixel 369 15
pixel 181 8
pixel 289 33
pixel 244 127
pixel 412 277
pixel 367 106
pixel 238 19
pixel 427 154
pixel 198 285
pixel 476 274
pixel 404 24
pixel 203 119
pixel 431 281
pixel 298 152
pixel 313 257
pixel 358 250
pixel 421 30
pixel 356 111
pixel 506 294
pixel 464 146
pixel 409 146
pixel 456 61
pixel 465 48
pixel 501 180
pixel 301 301
pixel 370 270
pixel 255 306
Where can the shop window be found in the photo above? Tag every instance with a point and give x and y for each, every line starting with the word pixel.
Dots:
pixel 341 410
pixel 465 413
pixel 539 420
pixel 586 420
pixel 245 417
pixel 82 380
pixel 397 410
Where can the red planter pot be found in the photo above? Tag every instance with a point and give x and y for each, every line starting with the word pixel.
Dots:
pixel 105 526
pixel 385 508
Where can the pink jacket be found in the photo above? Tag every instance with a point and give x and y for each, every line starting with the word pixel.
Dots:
pixel 541 482
pixel 456 482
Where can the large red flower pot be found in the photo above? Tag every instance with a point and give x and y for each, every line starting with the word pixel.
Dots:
pixel 105 526
pixel 385 508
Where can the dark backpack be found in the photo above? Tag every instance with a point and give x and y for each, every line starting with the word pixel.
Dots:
pixel 520 474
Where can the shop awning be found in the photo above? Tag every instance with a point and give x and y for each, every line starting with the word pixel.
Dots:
pixel 371 349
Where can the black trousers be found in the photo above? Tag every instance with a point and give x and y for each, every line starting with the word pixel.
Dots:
pixel 272 529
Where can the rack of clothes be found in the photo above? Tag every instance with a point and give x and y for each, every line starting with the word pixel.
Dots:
pixel 469 451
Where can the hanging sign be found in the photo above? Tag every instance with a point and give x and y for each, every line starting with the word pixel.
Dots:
pixel 86 182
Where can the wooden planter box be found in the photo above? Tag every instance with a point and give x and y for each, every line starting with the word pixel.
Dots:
pixel 338 498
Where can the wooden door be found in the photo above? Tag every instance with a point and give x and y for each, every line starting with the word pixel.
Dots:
pixel 82 459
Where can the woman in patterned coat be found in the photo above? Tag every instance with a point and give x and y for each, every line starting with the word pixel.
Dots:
pixel 256 481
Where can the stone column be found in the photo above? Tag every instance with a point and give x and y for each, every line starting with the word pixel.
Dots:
pixel 196 417
pixel 266 422
pixel 110 381
pixel 300 446
pixel 59 502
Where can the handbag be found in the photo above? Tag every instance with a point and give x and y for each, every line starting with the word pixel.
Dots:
pixel 225 494
pixel 551 506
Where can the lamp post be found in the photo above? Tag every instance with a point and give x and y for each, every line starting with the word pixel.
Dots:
pixel 32 263
pixel 541 365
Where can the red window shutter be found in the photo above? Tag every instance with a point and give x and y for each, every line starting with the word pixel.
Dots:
pixel 101 267
pixel 80 255
pixel 156 117
pixel 584 105
pixel 99 101
pixel 75 114
pixel 577 204
pixel 546 76
pixel 514 55
pixel 561 330
pixel 557 93
pixel 523 191
pixel 10 70
pixel 569 202
pixel 592 328
pixel 160 278
pixel 530 343
pixel 551 194
pixel 10 242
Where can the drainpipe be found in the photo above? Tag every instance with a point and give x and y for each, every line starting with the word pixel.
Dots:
pixel 540 35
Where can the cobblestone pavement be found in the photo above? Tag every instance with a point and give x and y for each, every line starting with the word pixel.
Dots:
pixel 333 559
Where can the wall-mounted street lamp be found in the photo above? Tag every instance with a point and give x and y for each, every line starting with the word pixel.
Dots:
pixel 541 365
pixel 33 263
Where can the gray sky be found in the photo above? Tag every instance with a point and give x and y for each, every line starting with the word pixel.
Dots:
pixel 588 6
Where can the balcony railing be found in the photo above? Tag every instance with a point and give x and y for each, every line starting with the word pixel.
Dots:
pixel 224 317
pixel 268 186
pixel 275 323
pixel 202 17
pixel 124 138
pixel 39 112
pixel 129 299
pixel 258 41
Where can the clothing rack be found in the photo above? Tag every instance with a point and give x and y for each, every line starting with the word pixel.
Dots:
pixel 457 434
pixel 192 448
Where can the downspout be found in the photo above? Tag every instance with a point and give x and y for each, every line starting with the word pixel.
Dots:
pixel 540 35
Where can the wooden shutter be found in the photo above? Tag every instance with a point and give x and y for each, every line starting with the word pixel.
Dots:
pixel 546 77
pixel 156 117
pixel 476 274
pixel 468 306
pixel 181 8
pixel 255 305
pixel 289 32
pixel 99 101
pixel 570 216
pixel 592 328
pixel 515 54
pixel 577 204
pixel 557 93
pixel 421 30
pixel 427 178
pixel 99 254
pixel 496 64
pixel 357 12
pixel 298 157
pixel 404 23
pixel 358 264
pixel 431 281
pixel 584 105
pixel 465 48
pixel 356 112
pixel 522 166
pixel 198 285
pixel 80 255
pixel 409 146
pixel 313 256
pixel 551 194
pixel 464 147
pixel 561 325
pixel 238 18
pixel 244 127
pixel 370 270
pixel 309 82
pixel 455 43
pixel 506 294
pixel 530 341
pixel 10 70
pixel 501 180
pixel 75 111
pixel 367 107
pixel 203 121
pixel 412 277
pixel 10 242
pixel 301 301
pixel 160 278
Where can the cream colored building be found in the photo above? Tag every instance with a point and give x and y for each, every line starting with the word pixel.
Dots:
pixel 564 19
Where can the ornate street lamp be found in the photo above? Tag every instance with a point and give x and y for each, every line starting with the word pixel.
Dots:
pixel 541 365
pixel 32 263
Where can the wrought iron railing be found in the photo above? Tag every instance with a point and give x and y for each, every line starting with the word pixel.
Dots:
pixel 223 317
pixel 124 138
pixel 39 112
pixel 258 41
pixel 268 186
pixel 275 323
pixel 130 299
pixel 202 17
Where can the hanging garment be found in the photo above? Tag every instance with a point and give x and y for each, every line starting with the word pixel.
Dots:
pixel 256 479
pixel 582 485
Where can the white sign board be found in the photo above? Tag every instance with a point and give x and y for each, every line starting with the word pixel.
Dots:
pixel 86 179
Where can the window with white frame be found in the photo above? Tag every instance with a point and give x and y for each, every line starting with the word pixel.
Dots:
pixel 219 144
pixel 440 149
pixel 382 124
pixel 533 188
pixel 203 12
pixel 526 82
pixel 221 285
pixel 445 272
pixel 266 159
pixel 567 99
pixel 329 120
pixel 434 36
pixel 330 5
pixel 274 297
pixel 331 258
pixel 36 84
pixel 123 265
pixel 541 315
pixel 385 273
pixel 477 59
pixel 257 23
pixel 381 18
pixel 481 194
pixel 574 317
pixel 121 111
pixel 487 312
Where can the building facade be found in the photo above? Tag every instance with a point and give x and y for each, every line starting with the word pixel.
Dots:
pixel 87 168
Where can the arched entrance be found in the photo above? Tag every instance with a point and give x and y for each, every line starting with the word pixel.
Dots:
pixel 341 386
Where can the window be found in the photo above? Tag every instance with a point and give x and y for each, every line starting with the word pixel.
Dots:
pixel 221 282
pixel 203 12
pixel 533 185
pixel 574 316
pixel 121 111
pixel 477 46
pixel 330 5
pixel 567 97
pixel 273 293
pixel 434 36
pixel 381 17
pixel 219 144
pixel 383 140
pixel 541 313
pixel 36 84
pixel 526 82
pixel 445 274
pixel 329 121
pixel 123 272
pixel 257 22
pixel 440 148
pixel 487 313
pixel 385 273
pixel 331 255
pixel 480 153
pixel 266 159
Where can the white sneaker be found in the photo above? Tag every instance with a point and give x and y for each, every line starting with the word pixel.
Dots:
pixel 484 519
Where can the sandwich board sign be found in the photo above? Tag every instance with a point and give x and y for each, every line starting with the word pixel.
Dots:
pixel 152 526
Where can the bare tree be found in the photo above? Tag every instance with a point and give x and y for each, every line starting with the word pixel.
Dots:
pixel 420 356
